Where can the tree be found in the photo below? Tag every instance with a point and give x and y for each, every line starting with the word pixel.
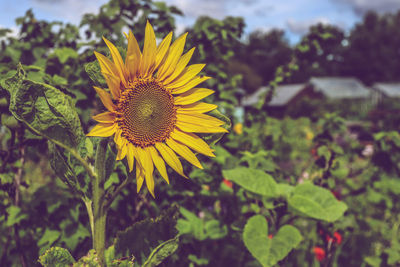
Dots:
pixel 373 53
pixel 319 53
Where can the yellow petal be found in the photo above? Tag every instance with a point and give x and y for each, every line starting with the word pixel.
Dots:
pixel 103 130
pixel 192 96
pixel 199 107
pixel 106 117
pixel 186 76
pixel 172 59
pixel 162 50
pixel 159 163
pixel 147 164
pixel 199 118
pixel 122 150
pixel 133 56
pixel 130 156
pixel 105 98
pixel 195 81
pixel 118 62
pixel 106 65
pixel 192 141
pixel 183 61
pixel 149 51
pixel 118 140
pixel 198 128
pixel 184 152
pixel 170 158
pixel 113 83
pixel 139 178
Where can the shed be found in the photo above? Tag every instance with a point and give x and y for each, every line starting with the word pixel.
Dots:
pixel 340 87
pixel 282 96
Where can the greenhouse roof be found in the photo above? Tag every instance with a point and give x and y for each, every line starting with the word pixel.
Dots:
pixel 283 94
pixel 339 87
pixel 254 97
pixel 389 89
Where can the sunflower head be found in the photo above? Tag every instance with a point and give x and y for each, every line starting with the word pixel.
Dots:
pixel 154 107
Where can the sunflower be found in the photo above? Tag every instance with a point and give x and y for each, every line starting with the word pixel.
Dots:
pixel 153 106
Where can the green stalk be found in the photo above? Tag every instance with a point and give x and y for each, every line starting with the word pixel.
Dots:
pixel 99 213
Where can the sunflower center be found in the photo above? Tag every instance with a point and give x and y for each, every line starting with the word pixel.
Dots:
pixel 147 113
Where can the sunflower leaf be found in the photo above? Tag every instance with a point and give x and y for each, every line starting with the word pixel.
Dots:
pixel 213 138
pixel 56 256
pixel 150 239
pixel 94 72
pixel 63 169
pixel 44 109
pixel 161 252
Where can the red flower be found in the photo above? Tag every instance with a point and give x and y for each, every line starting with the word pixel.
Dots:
pixel 270 236
pixel 319 253
pixel 338 238
pixel 228 183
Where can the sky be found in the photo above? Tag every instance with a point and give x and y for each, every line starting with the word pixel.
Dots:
pixel 292 16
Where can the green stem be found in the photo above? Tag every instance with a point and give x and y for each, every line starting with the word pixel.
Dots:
pixel 99 213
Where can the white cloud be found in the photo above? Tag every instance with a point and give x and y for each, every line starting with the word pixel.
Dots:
pixel 69 10
pixel 180 28
pixel 221 8
pixel 301 27
pixel 14 31
pixel 381 6
pixel 192 8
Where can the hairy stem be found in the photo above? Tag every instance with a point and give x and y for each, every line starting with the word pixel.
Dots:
pixel 99 213
pixel 17 183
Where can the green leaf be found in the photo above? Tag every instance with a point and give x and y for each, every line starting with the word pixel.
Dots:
pixel 48 238
pixel 143 237
pixel 266 250
pixel 284 190
pixel 161 252
pixel 198 228
pixel 44 109
pixel 14 215
pixel 64 53
pixel 94 72
pixel 89 260
pixel 255 181
pixel 316 202
pixel 324 151
pixel 214 230
pixel 63 170
pixel 6 178
pixel 56 257
pixel 113 179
